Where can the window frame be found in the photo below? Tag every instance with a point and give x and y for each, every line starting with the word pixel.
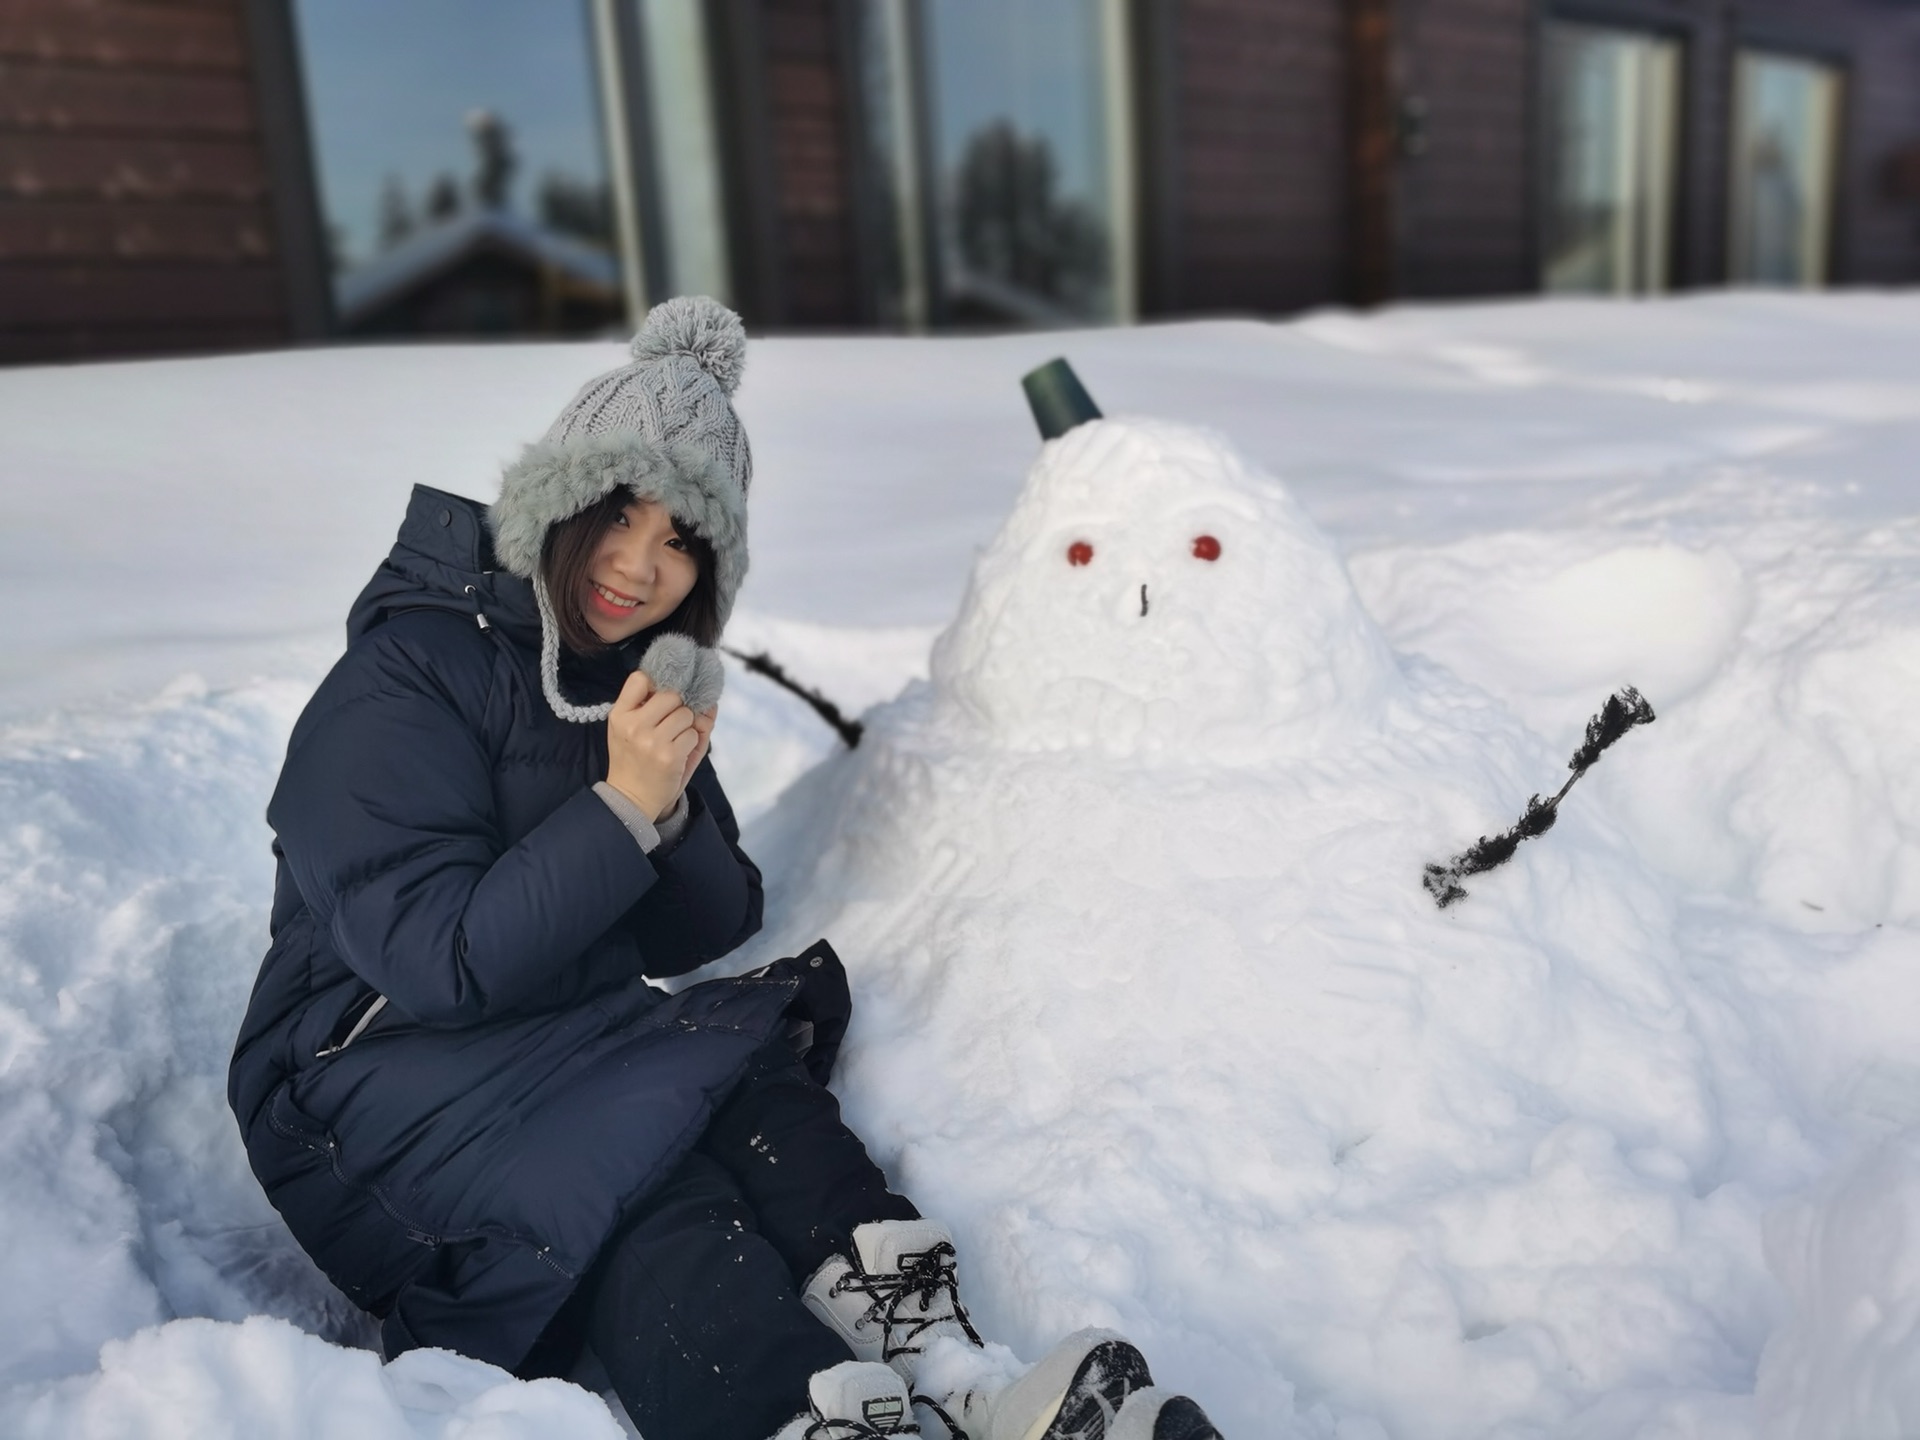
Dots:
pixel 1684 249
pixel 1802 44
pixel 1119 67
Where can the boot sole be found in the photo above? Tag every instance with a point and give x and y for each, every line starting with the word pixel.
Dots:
pixel 1182 1419
pixel 1108 1373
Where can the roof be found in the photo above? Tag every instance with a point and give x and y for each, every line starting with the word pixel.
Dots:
pixel 441 245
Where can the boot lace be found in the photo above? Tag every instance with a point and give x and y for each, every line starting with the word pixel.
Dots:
pixel 924 1276
pixel 840 1428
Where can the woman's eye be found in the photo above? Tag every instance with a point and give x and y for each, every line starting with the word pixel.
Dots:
pixel 1205 547
pixel 677 543
pixel 1079 553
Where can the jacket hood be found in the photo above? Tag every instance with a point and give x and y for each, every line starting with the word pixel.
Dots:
pixel 443 560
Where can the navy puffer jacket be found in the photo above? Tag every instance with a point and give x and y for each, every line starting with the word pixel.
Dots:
pixel 458 1165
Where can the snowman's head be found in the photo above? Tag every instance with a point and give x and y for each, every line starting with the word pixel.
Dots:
pixel 1153 594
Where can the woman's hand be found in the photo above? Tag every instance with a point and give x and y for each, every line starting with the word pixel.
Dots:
pixel 653 743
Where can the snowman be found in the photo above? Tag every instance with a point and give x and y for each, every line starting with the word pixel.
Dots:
pixel 1152 1005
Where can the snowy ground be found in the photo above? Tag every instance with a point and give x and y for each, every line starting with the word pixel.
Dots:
pixel 1626 1144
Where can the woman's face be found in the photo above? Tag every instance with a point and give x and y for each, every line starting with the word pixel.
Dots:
pixel 639 574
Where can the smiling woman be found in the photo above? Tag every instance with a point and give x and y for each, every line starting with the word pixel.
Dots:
pixel 624 565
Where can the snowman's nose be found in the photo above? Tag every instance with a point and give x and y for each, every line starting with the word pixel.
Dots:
pixel 1143 600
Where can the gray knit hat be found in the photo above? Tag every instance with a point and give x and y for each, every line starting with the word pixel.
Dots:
pixel 664 428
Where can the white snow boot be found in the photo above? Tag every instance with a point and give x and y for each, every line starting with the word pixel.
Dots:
pixel 1072 1394
pixel 855 1400
pixel 1155 1414
pixel 898 1301
pixel 896 1295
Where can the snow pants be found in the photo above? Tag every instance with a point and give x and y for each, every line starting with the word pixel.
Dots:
pixel 694 1307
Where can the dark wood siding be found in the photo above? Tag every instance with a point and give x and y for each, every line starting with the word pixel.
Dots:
pixel 1259 155
pixel 134 199
pixel 782 68
pixel 1466 223
pixel 806 92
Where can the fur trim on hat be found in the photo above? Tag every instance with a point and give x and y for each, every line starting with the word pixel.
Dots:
pixel 555 480
pixel 700 327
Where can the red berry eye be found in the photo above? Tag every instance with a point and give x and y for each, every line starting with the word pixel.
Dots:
pixel 1079 553
pixel 1205 547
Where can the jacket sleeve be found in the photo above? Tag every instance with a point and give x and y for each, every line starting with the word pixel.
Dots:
pixel 385 814
pixel 708 898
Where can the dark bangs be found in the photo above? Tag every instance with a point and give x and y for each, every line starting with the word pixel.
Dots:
pixel 566 557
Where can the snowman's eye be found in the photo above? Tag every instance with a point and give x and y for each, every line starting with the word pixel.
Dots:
pixel 1205 547
pixel 1079 553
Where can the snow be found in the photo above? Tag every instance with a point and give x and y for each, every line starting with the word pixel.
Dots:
pixel 1151 1005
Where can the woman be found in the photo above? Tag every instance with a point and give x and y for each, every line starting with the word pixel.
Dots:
pixel 496 818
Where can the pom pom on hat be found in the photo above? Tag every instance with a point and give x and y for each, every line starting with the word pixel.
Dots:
pixel 675 662
pixel 701 328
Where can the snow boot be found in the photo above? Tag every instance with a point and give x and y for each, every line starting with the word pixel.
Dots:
pixel 897 1295
pixel 854 1400
pixel 1155 1414
pixel 1072 1394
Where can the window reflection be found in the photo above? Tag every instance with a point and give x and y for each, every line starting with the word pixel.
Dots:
pixel 1013 147
pixel 462 174
pixel 1613 103
pixel 1786 114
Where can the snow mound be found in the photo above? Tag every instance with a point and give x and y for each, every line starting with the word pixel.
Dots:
pixel 268 1380
pixel 1848 1366
pixel 132 866
pixel 1155 1010
pixel 1622 1146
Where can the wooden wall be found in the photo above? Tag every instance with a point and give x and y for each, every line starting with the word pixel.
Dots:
pixel 134 201
pixel 1259 206
pixel 1258 190
pixel 784 74
pixel 806 92
pixel 1465 219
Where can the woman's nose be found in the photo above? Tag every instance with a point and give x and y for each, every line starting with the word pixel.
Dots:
pixel 636 561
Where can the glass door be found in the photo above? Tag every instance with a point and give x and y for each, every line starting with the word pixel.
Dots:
pixel 1613 104
pixel 1785 131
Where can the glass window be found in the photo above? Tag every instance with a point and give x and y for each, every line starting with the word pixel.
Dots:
pixel 1016 149
pixel 1612 115
pixel 462 170
pixel 1786 122
pixel 690 228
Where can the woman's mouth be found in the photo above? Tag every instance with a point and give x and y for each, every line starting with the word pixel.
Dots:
pixel 612 601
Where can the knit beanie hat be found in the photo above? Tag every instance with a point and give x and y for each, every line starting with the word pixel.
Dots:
pixel 664 428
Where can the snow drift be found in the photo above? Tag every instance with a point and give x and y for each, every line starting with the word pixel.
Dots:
pixel 1153 1007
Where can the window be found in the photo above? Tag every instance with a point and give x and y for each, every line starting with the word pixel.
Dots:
pixel 1001 138
pixel 684 216
pixel 1613 105
pixel 1786 118
pixel 464 183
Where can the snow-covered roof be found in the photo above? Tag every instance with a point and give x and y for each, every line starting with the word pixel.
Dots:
pixel 440 245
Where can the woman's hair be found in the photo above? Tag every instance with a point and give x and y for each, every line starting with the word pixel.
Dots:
pixel 567 555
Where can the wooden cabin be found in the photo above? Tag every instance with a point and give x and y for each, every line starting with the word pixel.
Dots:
pixel 199 175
